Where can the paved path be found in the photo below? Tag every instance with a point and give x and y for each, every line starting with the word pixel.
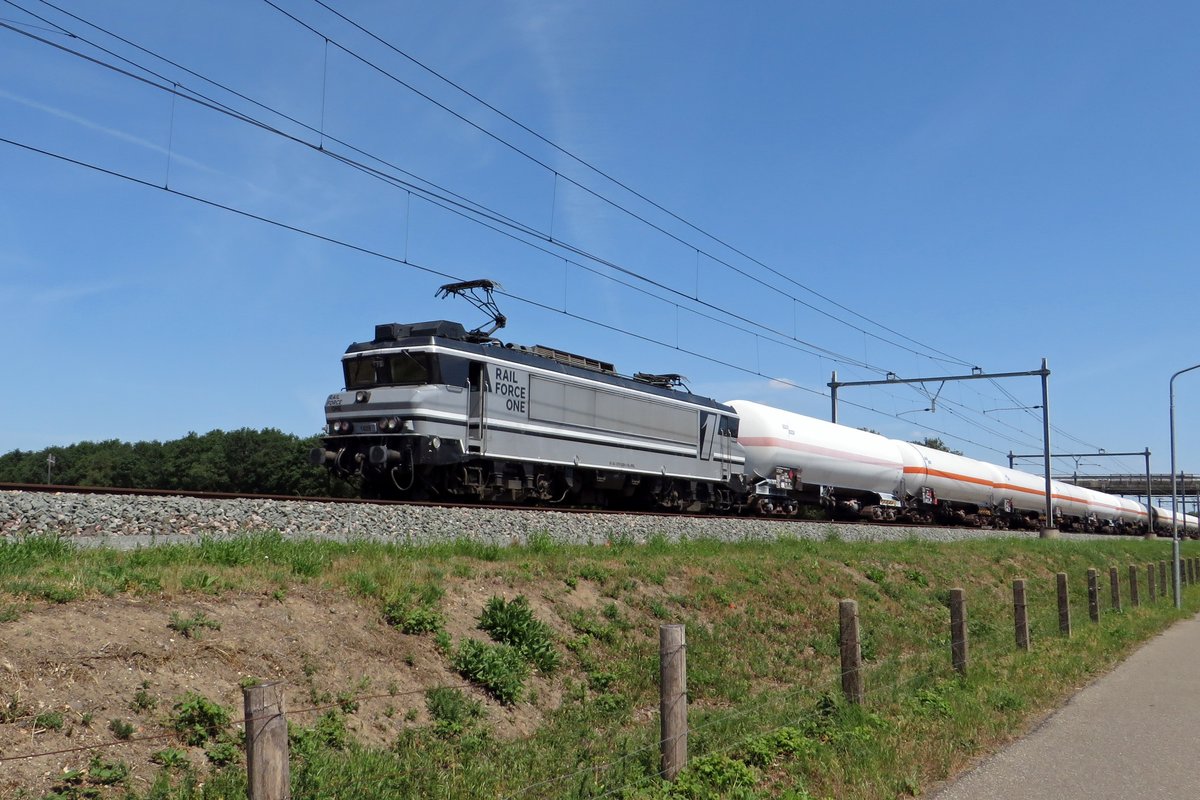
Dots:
pixel 1135 733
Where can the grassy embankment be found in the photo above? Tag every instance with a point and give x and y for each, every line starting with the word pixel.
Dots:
pixel 765 712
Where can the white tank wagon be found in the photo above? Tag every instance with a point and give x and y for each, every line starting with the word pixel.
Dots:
pixel 794 460
pixel 1188 524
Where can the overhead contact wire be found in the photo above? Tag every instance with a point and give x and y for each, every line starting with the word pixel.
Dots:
pixel 630 189
pixel 535 160
pixel 464 208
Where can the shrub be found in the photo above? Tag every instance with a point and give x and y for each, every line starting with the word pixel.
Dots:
pixel 50 720
pixel 347 702
pixel 190 626
pixel 142 700
pixel 120 728
pixel 197 719
pixel 106 773
pixel 600 681
pixel 498 668
pixel 222 753
pixel 171 758
pixel 717 772
pixel 761 751
pixel 329 732
pixel 932 702
pixel 409 618
pixel 452 711
pixel 514 624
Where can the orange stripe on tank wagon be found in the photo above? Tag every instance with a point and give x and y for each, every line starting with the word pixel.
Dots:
pixel 971 479
pixel 954 476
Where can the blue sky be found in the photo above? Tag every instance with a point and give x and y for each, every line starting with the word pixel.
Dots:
pixel 985 184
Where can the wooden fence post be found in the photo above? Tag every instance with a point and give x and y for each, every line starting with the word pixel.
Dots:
pixel 267 769
pixel 852 682
pixel 1162 577
pixel 1064 606
pixel 1114 584
pixel 672 665
pixel 958 630
pixel 1020 614
pixel 1093 595
pixel 1134 599
pixel 1150 582
pixel 1191 571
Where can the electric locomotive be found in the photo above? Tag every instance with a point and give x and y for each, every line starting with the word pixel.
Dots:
pixel 433 411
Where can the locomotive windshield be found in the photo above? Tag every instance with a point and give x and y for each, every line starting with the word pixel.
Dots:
pixel 403 369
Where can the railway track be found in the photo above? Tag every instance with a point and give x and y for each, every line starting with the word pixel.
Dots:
pixel 42 488
pixel 127 518
pixel 50 488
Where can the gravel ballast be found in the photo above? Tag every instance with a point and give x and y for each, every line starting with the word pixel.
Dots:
pixel 129 520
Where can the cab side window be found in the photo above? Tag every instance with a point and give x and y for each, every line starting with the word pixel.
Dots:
pixel 453 370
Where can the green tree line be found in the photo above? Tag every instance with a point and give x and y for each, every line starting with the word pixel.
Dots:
pixel 245 460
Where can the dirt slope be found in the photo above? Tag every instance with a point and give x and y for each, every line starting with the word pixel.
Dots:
pixel 88 660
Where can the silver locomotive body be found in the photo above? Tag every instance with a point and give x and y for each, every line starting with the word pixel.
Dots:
pixel 430 413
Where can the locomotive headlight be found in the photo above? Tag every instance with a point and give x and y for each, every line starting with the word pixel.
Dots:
pixel 362 396
pixel 389 424
pixel 435 443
